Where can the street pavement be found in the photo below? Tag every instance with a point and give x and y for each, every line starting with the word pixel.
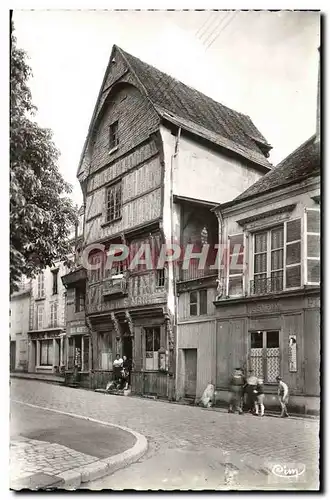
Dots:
pixel 192 448
pixel 45 444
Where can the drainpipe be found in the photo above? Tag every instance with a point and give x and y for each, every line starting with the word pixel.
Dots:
pixel 220 280
pixel 175 323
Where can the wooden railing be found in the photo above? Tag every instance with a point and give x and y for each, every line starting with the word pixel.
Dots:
pixel 192 272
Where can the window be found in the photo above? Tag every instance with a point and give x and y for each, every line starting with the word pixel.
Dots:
pixel 312 224
pixel 198 302
pixel 53 315
pixel 95 259
pixel 117 267
pixel 80 300
pixel 55 281
pixel 265 354
pixel 160 278
pixel 277 258
pixel 113 202
pixel 152 336
pixel 40 316
pixel 235 261
pixel 41 285
pixel 46 352
pixel 113 139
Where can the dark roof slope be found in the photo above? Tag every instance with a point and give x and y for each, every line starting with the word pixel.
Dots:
pixel 302 163
pixel 190 104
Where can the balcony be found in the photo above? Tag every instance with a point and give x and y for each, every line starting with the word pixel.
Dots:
pixel 116 285
pixel 266 286
pixel 193 273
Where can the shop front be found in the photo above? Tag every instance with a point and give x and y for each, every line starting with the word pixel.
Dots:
pixel 46 350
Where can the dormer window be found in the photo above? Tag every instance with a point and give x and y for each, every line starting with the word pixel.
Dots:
pixel 113 136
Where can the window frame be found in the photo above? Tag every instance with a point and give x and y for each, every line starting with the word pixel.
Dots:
pixel 113 136
pixel 198 302
pixel 117 189
pixel 268 230
pixel 160 278
pixel 306 258
pixel 53 315
pixel 41 286
pixel 55 274
pixel 40 315
pixel 154 358
pixel 228 256
pixel 49 343
pixel 264 352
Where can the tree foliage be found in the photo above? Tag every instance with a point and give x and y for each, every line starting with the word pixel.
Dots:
pixel 41 213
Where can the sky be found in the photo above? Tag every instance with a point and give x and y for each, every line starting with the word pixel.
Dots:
pixel 264 64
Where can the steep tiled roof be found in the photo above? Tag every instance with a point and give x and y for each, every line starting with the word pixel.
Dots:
pixel 302 163
pixel 174 96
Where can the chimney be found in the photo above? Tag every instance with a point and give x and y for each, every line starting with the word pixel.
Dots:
pixel 318 112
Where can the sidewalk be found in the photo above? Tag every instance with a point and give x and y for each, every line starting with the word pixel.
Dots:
pixel 51 450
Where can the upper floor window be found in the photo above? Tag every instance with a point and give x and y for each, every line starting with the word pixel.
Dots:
pixel 55 281
pixel 235 263
pixel 113 135
pixel 96 260
pixel 41 285
pixel 40 316
pixel 113 202
pixel 53 315
pixel 80 300
pixel 312 224
pixel 160 278
pixel 198 302
pixel 277 258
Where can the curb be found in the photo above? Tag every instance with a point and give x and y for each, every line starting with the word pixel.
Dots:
pixel 73 479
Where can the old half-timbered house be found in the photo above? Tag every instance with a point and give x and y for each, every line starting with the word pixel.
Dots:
pixel 268 304
pixel 157 156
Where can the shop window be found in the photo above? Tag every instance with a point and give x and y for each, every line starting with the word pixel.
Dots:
pixel 265 354
pixel 152 346
pixel 198 302
pixel 46 352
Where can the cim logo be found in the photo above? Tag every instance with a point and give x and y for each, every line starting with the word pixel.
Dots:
pixel 288 470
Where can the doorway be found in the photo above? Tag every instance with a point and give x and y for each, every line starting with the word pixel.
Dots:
pixel 12 355
pixel 127 347
pixel 190 360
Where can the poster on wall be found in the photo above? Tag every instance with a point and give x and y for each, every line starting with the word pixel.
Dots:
pixel 292 353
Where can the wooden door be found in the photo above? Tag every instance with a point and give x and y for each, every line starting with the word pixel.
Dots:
pixel 12 355
pixel 190 372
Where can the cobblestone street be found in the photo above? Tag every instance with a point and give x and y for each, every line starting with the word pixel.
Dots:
pixel 246 444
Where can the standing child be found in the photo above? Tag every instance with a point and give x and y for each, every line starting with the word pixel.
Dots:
pixel 259 403
pixel 283 396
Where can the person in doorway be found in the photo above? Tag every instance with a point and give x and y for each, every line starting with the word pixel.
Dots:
pixel 117 367
pixel 251 391
pixel 236 384
pixel 127 371
pixel 283 396
pixel 259 403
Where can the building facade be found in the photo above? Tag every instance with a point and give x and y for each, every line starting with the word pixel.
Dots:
pixel 157 156
pixel 19 326
pixel 47 323
pixel 268 301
